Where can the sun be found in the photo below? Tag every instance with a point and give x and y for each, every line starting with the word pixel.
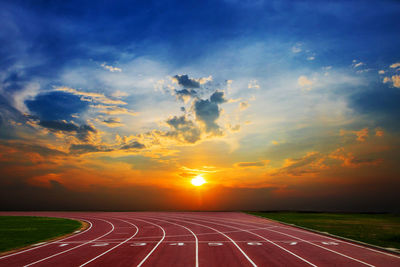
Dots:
pixel 198 181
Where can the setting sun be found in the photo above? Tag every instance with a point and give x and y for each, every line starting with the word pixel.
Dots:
pixel 198 181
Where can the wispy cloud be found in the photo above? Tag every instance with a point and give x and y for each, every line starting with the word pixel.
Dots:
pixel 111 68
pixel 91 96
pixel 254 164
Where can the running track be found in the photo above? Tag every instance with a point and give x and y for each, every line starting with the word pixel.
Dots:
pixel 191 239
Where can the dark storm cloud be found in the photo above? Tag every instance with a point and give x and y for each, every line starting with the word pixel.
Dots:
pixel 207 112
pixel 133 145
pixel 183 129
pixel 41 150
pixel 111 121
pixel 82 132
pixel 185 93
pixel 56 105
pixel 218 97
pixel 87 148
pixel 186 82
pixel 251 164
pixel 59 126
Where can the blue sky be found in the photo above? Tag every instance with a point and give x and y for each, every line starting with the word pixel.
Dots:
pixel 160 91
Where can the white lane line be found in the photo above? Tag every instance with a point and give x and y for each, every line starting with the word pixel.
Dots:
pixel 237 246
pixel 215 244
pixel 126 240
pixel 341 254
pixel 179 244
pixel 340 241
pixel 185 235
pixel 159 242
pixel 36 247
pixel 195 237
pixel 294 228
pixel 298 238
pixel 254 243
pixel 297 256
pixel 138 244
pixel 62 252
pixel 100 245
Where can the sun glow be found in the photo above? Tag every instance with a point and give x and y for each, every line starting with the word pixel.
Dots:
pixel 198 181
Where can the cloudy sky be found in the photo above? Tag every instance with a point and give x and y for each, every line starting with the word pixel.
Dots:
pixel 277 104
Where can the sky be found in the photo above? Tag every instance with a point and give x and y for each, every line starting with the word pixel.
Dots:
pixel 278 105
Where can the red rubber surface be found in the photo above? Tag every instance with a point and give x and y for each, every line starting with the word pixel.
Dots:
pixel 191 239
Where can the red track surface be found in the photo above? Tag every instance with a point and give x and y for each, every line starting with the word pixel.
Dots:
pixel 191 239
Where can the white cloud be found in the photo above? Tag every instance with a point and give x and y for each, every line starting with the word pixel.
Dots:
pixel 311 58
pixel 119 94
pixel 297 48
pixel 253 84
pixel 111 68
pixel 381 72
pixel 304 82
pixel 91 97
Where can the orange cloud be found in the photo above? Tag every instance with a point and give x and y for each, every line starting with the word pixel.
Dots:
pixel 254 164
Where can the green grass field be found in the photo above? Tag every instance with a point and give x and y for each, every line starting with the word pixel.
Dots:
pixel 21 231
pixel 377 229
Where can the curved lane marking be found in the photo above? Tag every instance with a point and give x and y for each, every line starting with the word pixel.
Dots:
pixel 237 246
pixel 62 252
pixel 298 238
pixel 195 237
pixel 155 247
pixel 126 240
pixel 316 234
pixel 273 243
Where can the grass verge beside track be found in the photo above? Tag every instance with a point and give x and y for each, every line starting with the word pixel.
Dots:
pixel 376 229
pixel 21 231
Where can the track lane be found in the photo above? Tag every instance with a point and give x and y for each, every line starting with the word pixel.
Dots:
pixel 63 260
pixel 305 249
pixel 119 244
pixel 175 239
pixel 161 229
pixel 139 249
pixel 248 261
pixel 261 253
pixel 368 254
pixel 363 255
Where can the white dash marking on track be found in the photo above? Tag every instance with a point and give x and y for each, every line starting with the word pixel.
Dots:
pixel 254 243
pixel 138 244
pixel 293 243
pixel 330 243
pixel 179 244
pixel 100 245
pixel 63 245
pixel 214 244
